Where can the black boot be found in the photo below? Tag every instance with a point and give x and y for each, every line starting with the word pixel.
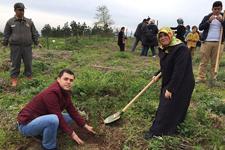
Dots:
pixel 148 135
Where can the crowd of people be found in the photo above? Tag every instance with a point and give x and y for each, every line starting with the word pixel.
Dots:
pixel 42 116
pixel 146 32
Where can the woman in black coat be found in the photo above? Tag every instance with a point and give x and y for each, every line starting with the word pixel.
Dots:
pixel 121 39
pixel 177 84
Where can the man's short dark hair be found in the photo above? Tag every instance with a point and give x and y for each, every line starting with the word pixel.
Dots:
pixel 65 71
pixel 217 4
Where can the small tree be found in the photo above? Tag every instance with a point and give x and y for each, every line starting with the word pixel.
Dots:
pixel 46 30
pixel 104 20
pixel 79 29
pixel 84 28
pixel 74 28
pixel 97 30
pixel 57 32
pixel 66 30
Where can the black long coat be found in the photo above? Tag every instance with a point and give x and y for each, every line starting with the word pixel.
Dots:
pixel 154 30
pixel 121 38
pixel 178 78
pixel 147 37
pixel 138 31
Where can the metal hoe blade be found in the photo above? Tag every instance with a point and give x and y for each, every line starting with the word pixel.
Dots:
pixel 112 118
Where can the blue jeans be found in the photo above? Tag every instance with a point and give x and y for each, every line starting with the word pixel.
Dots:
pixel 46 126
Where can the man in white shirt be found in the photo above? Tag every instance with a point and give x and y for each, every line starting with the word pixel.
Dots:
pixel 211 26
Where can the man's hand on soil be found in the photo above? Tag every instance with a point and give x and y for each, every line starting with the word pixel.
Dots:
pixel 89 128
pixel 76 138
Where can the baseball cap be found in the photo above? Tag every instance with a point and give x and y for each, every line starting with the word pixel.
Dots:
pixel 19 6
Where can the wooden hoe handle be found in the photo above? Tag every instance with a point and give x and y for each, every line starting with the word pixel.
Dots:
pixel 142 91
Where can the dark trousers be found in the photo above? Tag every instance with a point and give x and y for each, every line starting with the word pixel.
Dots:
pixel 17 54
pixel 135 43
pixel 153 50
pixel 122 47
pixel 144 51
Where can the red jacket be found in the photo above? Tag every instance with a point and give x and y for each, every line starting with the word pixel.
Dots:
pixel 52 100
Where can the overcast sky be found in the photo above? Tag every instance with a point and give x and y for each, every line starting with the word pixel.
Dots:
pixel 126 13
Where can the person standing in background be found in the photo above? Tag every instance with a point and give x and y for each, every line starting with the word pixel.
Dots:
pixel 20 33
pixel 180 29
pixel 154 30
pixel 211 26
pixel 192 39
pixel 121 39
pixel 188 30
pixel 138 34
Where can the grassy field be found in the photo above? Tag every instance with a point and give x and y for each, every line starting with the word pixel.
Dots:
pixel 106 80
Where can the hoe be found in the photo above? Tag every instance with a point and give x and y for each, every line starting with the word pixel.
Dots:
pixel 117 115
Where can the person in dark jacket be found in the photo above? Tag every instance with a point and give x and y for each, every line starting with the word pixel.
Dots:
pixel 146 38
pixel 180 30
pixel 20 33
pixel 154 30
pixel 121 39
pixel 211 26
pixel 188 30
pixel 42 116
pixel 138 34
pixel 177 84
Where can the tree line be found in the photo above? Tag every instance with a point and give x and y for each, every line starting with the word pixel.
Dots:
pixel 101 27
pixel 75 29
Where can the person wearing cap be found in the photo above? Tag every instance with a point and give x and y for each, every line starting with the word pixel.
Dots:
pixel 211 26
pixel 177 84
pixel 180 29
pixel 42 116
pixel 20 33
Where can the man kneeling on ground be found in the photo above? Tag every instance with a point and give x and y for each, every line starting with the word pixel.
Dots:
pixel 42 116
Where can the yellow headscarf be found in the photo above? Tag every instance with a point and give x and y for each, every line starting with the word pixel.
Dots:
pixel 173 40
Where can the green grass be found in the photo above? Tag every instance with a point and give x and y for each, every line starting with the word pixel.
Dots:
pixel 106 80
